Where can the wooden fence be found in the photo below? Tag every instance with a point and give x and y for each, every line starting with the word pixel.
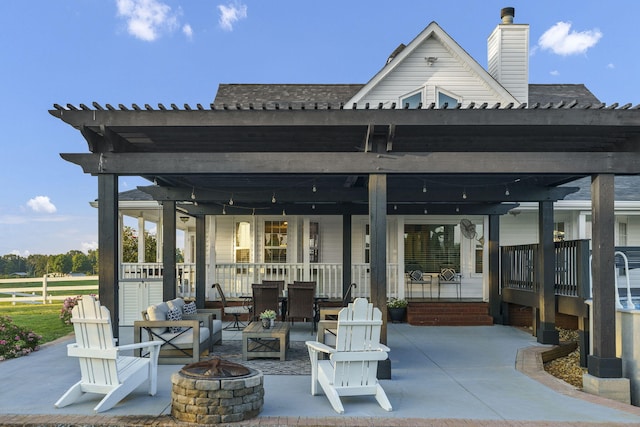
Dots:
pixel 45 294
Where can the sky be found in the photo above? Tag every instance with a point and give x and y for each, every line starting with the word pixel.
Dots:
pixel 178 51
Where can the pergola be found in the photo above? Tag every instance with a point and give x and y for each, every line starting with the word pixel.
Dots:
pixel 359 160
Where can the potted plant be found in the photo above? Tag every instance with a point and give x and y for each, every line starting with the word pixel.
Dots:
pixel 268 318
pixel 397 309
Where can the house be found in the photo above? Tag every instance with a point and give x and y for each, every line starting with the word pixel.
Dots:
pixel 363 183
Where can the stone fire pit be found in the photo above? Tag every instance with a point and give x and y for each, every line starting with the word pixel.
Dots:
pixel 216 391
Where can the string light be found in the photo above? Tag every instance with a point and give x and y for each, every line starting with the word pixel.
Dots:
pixel 457 208
pixel 193 194
pixel 425 211
pixel 224 211
pixel 313 206
pixel 155 181
pixel 464 193
pixel 283 213
pixel 273 198
pixel 314 189
pixel 506 191
pixel 253 212
pixel 424 187
pixel 395 207
pixel 231 200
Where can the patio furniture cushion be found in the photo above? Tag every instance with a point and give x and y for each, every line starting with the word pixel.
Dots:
pixel 176 303
pixel 174 314
pixel 190 308
pixel 415 275
pixel 158 312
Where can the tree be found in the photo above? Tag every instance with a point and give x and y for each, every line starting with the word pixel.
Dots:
pixel 60 264
pixel 130 245
pixel 80 263
pixel 37 265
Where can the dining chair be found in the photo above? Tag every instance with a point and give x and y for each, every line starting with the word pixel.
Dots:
pixel 301 302
pixel 265 297
pixel 234 310
pixel 279 283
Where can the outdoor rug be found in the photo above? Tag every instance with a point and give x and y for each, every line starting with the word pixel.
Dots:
pixel 297 362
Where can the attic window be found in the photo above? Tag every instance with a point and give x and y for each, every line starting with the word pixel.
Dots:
pixel 446 98
pixel 413 100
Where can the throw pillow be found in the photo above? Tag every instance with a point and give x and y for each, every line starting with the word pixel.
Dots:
pixel 174 315
pixel 416 275
pixel 190 308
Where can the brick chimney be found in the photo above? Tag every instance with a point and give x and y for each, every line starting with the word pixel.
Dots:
pixel 508 55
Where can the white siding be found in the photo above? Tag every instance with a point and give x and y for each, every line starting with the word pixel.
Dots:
pixel 449 72
pixel 508 58
pixel 633 230
pixel 330 228
pixel 519 230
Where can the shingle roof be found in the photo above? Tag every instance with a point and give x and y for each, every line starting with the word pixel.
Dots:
pixel 626 189
pixel 244 94
pixel 555 93
pixel 272 93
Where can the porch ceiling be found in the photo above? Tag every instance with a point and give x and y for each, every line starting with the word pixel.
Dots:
pixel 468 161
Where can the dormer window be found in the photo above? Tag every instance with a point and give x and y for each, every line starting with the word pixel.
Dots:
pixel 447 98
pixel 413 100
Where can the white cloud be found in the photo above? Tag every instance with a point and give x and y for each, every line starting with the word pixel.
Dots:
pixel 22 254
pixel 611 66
pixel 87 246
pixel 147 19
pixel 554 72
pixel 559 40
pixel 231 14
pixel 41 204
pixel 188 31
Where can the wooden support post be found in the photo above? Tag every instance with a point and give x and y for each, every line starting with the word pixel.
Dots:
pixel 346 253
pixel 201 261
pixel 603 363
pixel 168 250
pixel 547 333
pixel 108 246
pixel 378 245
pixel 494 269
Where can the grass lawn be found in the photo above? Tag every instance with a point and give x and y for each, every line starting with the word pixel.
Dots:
pixel 42 319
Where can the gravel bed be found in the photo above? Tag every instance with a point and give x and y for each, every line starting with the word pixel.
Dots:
pixel 567 368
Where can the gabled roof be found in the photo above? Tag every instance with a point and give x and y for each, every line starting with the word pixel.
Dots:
pixel 433 30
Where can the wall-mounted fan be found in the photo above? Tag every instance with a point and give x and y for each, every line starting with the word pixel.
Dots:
pixel 468 229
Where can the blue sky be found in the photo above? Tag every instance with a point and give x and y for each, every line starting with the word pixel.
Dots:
pixel 178 51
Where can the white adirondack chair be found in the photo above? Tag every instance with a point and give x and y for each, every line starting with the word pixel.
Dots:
pixel 104 370
pixel 352 366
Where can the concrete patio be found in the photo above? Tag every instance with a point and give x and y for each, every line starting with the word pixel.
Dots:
pixel 441 376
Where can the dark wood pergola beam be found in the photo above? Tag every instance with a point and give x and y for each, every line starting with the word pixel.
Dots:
pixel 396 195
pixel 358 163
pixel 399 117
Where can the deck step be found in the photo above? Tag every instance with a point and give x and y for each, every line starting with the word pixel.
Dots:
pixel 449 314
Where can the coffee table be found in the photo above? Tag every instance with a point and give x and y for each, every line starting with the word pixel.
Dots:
pixel 260 342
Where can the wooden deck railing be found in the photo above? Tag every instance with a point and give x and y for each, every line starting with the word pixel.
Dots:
pixel 519 268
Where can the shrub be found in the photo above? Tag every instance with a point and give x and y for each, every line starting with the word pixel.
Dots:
pixel 16 341
pixel 397 303
pixel 67 306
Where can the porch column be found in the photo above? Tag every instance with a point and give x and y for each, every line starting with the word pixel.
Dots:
pixel 108 242
pixel 493 246
pixel 546 332
pixel 201 261
pixel 168 250
pixel 141 243
pixel 346 254
pixel 603 362
pixel 378 245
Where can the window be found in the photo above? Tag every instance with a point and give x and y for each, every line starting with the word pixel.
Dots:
pixel 445 98
pixel 314 244
pixel 413 100
pixel 431 247
pixel 242 242
pixel 275 241
pixel 367 245
pixel 479 247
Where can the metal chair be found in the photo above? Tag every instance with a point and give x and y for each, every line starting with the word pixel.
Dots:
pixel 234 310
